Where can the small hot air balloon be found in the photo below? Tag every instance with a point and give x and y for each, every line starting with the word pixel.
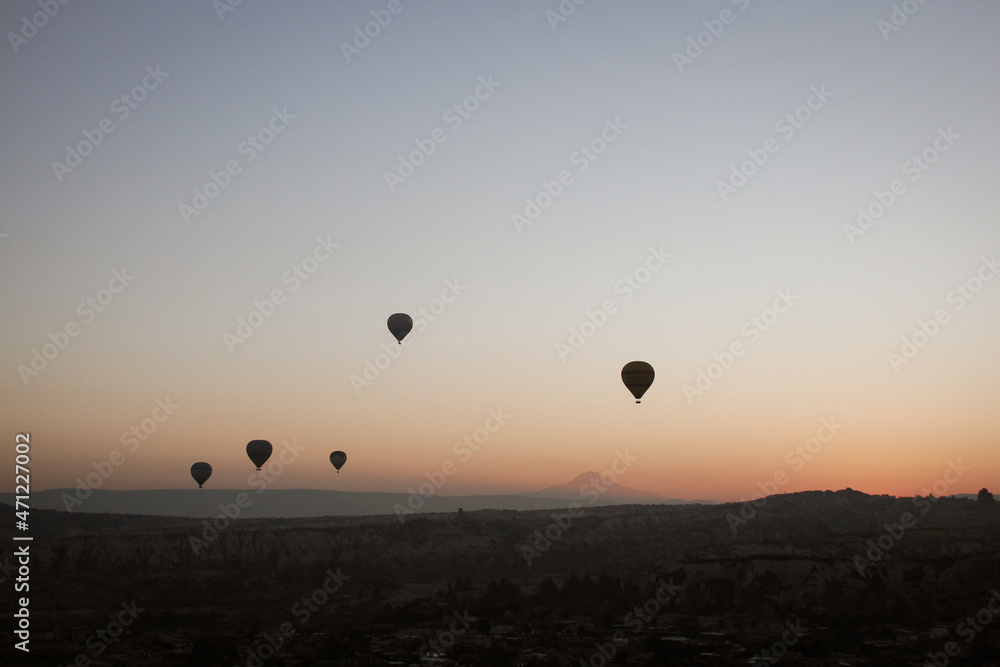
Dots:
pixel 201 471
pixel 338 459
pixel 637 376
pixel 259 452
pixel 400 325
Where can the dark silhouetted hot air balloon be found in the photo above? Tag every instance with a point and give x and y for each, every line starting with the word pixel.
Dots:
pixel 400 325
pixel 637 376
pixel 201 471
pixel 259 452
pixel 338 459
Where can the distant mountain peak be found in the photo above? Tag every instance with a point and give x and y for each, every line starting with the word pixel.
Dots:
pixel 595 478
pixel 608 490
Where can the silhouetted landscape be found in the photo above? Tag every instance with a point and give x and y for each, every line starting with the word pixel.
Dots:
pixel 817 578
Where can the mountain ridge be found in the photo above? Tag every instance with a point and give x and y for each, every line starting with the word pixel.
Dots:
pixel 593 485
pixel 586 489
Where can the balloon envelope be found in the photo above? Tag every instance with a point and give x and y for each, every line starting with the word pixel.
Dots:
pixel 400 325
pixel 201 471
pixel 637 376
pixel 259 452
pixel 338 459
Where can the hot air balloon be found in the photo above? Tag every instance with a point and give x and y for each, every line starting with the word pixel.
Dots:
pixel 400 325
pixel 259 452
pixel 201 471
pixel 338 459
pixel 637 376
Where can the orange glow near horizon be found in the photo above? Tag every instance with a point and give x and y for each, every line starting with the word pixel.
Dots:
pixel 533 272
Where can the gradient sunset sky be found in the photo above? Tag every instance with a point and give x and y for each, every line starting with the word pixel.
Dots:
pixel 694 164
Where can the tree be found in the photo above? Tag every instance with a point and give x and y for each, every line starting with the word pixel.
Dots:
pixel 986 497
pixel 547 591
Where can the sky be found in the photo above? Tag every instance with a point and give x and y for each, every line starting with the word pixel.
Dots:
pixel 788 208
